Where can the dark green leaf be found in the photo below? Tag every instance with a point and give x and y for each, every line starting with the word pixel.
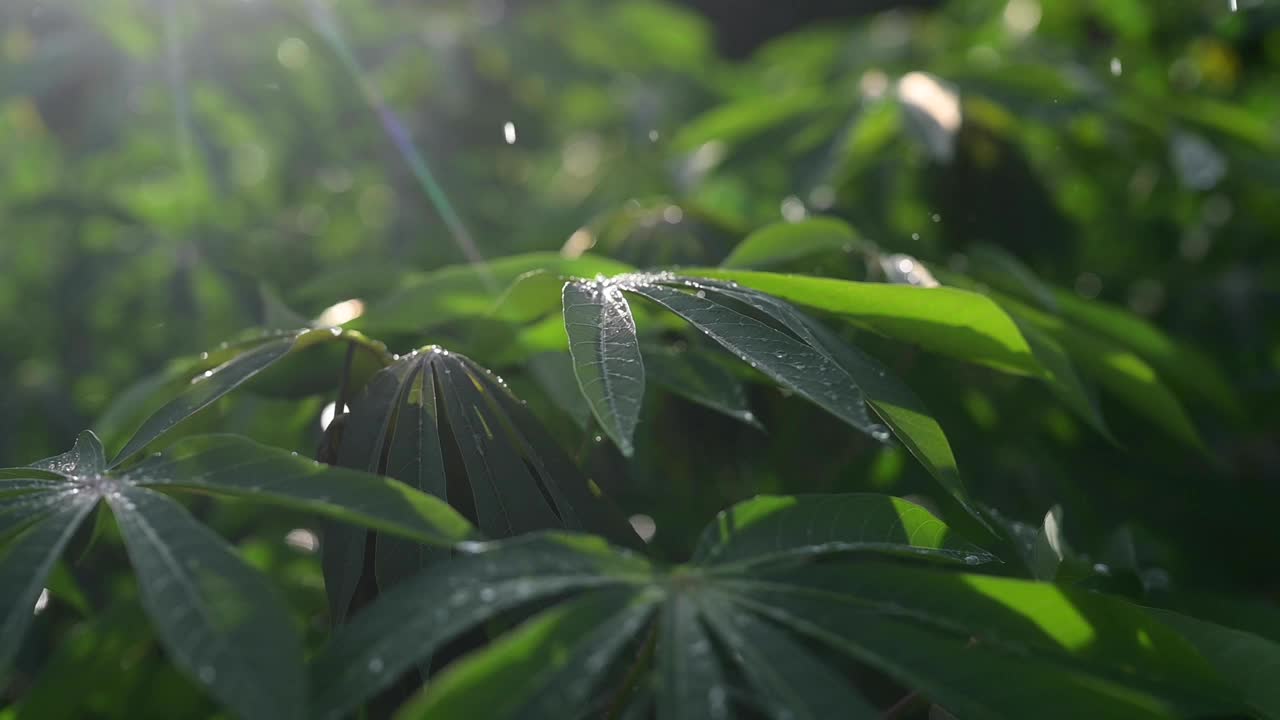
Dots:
pixel 773 528
pixel 235 466
pixel 207 388
pixel 25 562
pixel 547 668
pixel 606 356
pixel 219 620
pixel 954 322
pixel 697 378
pixel 1246 661
pixel 412 620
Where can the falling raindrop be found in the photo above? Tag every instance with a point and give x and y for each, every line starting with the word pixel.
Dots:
pixel 1116 67
pixel 42 602
pixel 509 133
pixel 644 526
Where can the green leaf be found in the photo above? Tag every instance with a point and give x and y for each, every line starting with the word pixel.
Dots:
pixel 700 379
pixel 1184 367
pixel 234 466
pixel 791 681
pixel 954 637
pixel 463 291
pixel 904 413
pixel 1061 377
pixel 25 562
pixel 771 528
pixel 395 632
pixel 772 637
pixel 606 357
pixel 691 682
pixel 547 668
pixel 786 359
pixel 1248 662
pixel 739 121
pixel 219 620
pixel 578 504
pixel 950 321
pixel 505 492
pixel 207 388
pixel 1120 371
pixel 783 242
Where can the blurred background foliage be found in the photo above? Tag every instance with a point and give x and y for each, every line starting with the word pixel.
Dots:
pixel 162 162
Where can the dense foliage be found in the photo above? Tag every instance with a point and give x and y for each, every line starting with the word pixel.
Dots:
pixel 475 359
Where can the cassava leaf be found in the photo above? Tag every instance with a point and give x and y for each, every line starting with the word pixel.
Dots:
pixel 1247 661
pixel 954 322
pixel 207 388
pixel 25 562
pixel 722 631
pixel 219 620
pixel 548 668
pixel 462 291
pixel 786 359
pixel 174 554
pixel 700 379
pixel 237 467
pixel 769 529
pixel 784 242
pixel 606 357
pixel 394 633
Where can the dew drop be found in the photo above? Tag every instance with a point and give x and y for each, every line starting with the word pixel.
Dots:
pixel 972 560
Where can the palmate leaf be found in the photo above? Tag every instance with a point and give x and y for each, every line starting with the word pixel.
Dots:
pixel 433 404
pixel 792 350
pixel 219 620
pixel 773 630
pixel 236 364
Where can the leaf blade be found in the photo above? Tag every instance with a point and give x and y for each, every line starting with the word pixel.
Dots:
pixel 219 620
pixel 606 357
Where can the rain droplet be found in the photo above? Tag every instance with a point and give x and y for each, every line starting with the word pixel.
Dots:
pixel 207 674
pixel 1101 569
pixel 879 432
pixel 488 594
pixel 701 293
pixel 972 560
pixel 375 665
pixel 204 356
pixel 509 132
